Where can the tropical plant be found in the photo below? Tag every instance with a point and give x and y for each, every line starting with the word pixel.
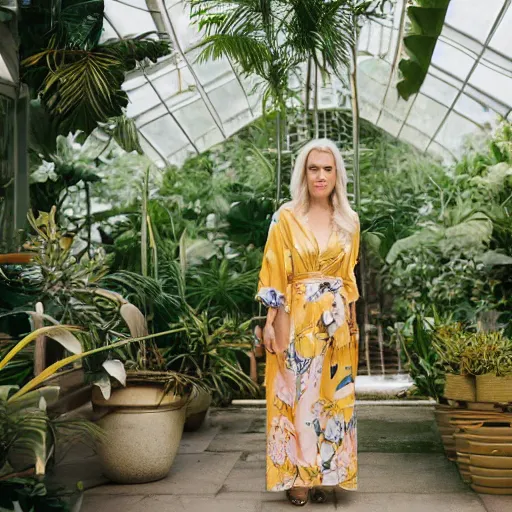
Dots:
pixel 427 21
pixel 250 34
pixel 208 347
pixel 416 338
pixel 79 79
pixel 488 352
pixel 30 439
pixel 450 343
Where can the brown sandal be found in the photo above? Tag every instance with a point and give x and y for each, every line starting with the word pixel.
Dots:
pixel 318 495
pixel 299 502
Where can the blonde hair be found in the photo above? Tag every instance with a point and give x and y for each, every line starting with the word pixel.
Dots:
pixel 344 217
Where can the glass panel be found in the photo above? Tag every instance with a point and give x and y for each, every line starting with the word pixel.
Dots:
pixel 454 131
pixel 494 83
pixel 473 17
pixel 426 114
pixel 415 137
pixel 128 21
pixel 475 111
pixel 452 59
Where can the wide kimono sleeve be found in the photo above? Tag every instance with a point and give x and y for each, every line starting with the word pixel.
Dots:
pixel 349 281
pixel 273 278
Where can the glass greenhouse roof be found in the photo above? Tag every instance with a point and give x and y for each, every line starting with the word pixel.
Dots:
pixel 181 107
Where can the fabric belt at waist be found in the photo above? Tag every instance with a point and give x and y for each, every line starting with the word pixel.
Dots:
pixel 306 276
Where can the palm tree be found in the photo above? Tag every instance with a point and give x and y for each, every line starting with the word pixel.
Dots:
pixel 320 33
pixel 249 32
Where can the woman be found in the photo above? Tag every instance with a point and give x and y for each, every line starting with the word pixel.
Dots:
pixel 307 277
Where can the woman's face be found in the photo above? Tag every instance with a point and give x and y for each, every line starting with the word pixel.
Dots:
pixel 320 173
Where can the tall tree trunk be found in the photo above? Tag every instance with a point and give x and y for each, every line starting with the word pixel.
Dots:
pixel 317 127
pixel 308 96
pixel 357 195
pixel 278 165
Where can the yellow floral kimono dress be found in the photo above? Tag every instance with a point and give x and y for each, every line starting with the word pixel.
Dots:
pixel 310 386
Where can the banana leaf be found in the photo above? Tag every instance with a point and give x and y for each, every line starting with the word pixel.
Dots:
pixel 427 20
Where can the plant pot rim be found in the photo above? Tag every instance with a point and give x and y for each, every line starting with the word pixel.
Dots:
pixel 140 394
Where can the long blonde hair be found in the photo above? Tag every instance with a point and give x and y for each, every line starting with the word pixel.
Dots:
pixel 344 217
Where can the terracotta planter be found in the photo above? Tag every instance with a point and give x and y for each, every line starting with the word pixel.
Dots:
pixel 197 409
pixel 502 473
pixel 492 481
pixel 460 387
pixel 143 429
pixel 491 490
pixel 490 388
pixel 495 449
pixel 490 461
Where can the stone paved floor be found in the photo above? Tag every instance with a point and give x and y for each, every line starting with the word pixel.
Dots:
pixel 221 468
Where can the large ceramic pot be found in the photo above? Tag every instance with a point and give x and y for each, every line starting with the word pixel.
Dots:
pixel 143 429
pixel 197 408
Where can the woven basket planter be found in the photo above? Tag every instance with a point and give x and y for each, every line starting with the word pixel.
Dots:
pixel 460 387
pixel 490 388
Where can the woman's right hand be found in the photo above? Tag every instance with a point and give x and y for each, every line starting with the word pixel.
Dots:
pixel 269 338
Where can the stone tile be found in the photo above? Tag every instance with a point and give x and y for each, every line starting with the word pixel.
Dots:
pixel 110 503
pixel 393 429
pixel 194 474
pixel 258 496
pixel 87 471
pixel 171 503
pixel 408 472
pixel 397 502
pixel 255 456
pixel 194 504
pixel 246 477
pixel 254 442
pixel 259 424
pixel 496 503
pixel 398 414
pixel 285 506
pixel 197 442
pixel 234 420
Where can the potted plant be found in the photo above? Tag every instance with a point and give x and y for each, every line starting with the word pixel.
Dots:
pixel 489 358
pixel 143 417
pixel 451 344
pixel 209 348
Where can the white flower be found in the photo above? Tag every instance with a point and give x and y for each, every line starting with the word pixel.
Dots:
pixel 45 172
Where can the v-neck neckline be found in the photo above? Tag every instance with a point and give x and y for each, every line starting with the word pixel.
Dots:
pixel 303 221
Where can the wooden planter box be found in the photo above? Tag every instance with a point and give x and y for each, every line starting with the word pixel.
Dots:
pixel 490 388
pixel 460 387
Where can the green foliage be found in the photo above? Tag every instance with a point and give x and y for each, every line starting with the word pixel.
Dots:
pixel 450 343
pixel 440 236
pixel 488 352
pixel 209 348
pixel 416 339
pixel 79 80
pixel 427 20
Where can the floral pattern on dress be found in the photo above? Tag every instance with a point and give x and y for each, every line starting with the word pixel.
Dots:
pixel 310 385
